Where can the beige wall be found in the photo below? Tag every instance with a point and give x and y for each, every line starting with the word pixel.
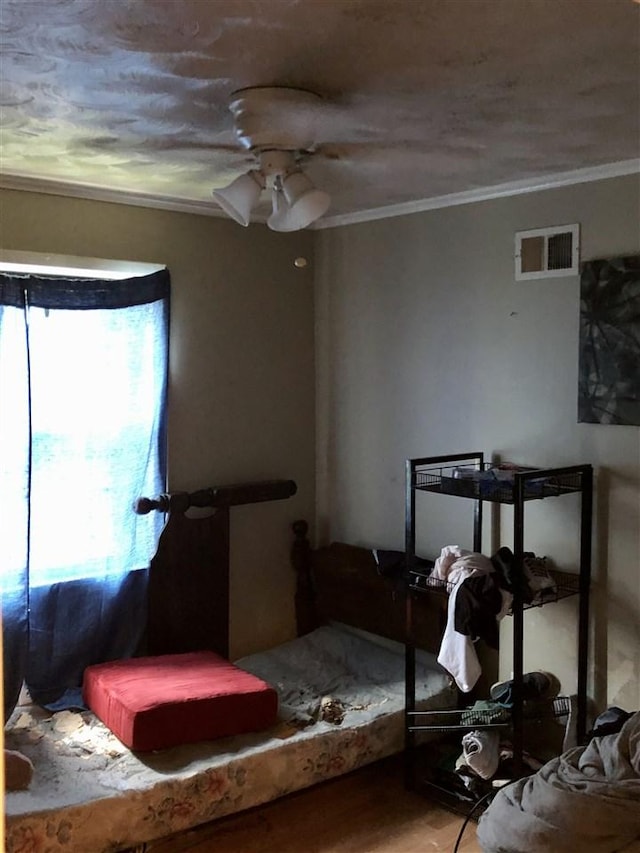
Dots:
pixel 241 373
pixel 426 345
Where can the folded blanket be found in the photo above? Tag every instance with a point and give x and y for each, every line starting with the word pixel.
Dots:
pixel 586 800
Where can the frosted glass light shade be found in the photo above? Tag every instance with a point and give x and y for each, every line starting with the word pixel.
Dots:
pixel 300 205
pixel 279 219
pixel 241 196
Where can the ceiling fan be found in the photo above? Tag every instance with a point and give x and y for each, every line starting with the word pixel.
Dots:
pixel 277 125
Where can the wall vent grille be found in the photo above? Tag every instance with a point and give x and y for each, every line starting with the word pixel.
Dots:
pixel 547 252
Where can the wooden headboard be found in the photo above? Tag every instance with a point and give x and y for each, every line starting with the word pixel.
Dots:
pixel 341 582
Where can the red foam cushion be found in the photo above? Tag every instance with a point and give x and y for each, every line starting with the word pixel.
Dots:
pixel 167 700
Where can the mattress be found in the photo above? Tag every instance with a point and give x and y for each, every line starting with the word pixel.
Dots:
pixel 341 696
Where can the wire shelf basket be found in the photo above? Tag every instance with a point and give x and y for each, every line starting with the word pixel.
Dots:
pixel 494 718
pixel 496 483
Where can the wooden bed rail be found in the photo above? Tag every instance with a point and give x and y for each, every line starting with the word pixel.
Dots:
pixel 218 496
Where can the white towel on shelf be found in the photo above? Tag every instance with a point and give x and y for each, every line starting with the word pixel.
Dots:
pixel 457 653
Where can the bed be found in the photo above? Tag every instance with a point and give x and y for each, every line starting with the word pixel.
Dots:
pixel 341 698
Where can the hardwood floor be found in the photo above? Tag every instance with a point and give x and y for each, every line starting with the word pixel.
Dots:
pixel 367 811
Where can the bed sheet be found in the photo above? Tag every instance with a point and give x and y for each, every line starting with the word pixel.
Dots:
pixel 358 670
pixel 90 793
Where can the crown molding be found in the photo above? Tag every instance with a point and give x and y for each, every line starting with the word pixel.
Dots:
pixel 94 192
pixel 529 185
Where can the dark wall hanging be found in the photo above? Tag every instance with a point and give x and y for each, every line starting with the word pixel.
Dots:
pixel 609 365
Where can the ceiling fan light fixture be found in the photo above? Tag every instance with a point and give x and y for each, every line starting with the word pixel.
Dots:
pixel 277 125
pixel 279 219
pixel 301 204
pixel 241 196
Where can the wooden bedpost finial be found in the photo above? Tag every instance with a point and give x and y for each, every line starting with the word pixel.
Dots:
pixel 143 506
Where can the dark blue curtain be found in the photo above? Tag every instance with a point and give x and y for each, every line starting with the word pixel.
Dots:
pixel 83 384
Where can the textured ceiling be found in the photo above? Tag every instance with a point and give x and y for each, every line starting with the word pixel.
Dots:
pixel 421 98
